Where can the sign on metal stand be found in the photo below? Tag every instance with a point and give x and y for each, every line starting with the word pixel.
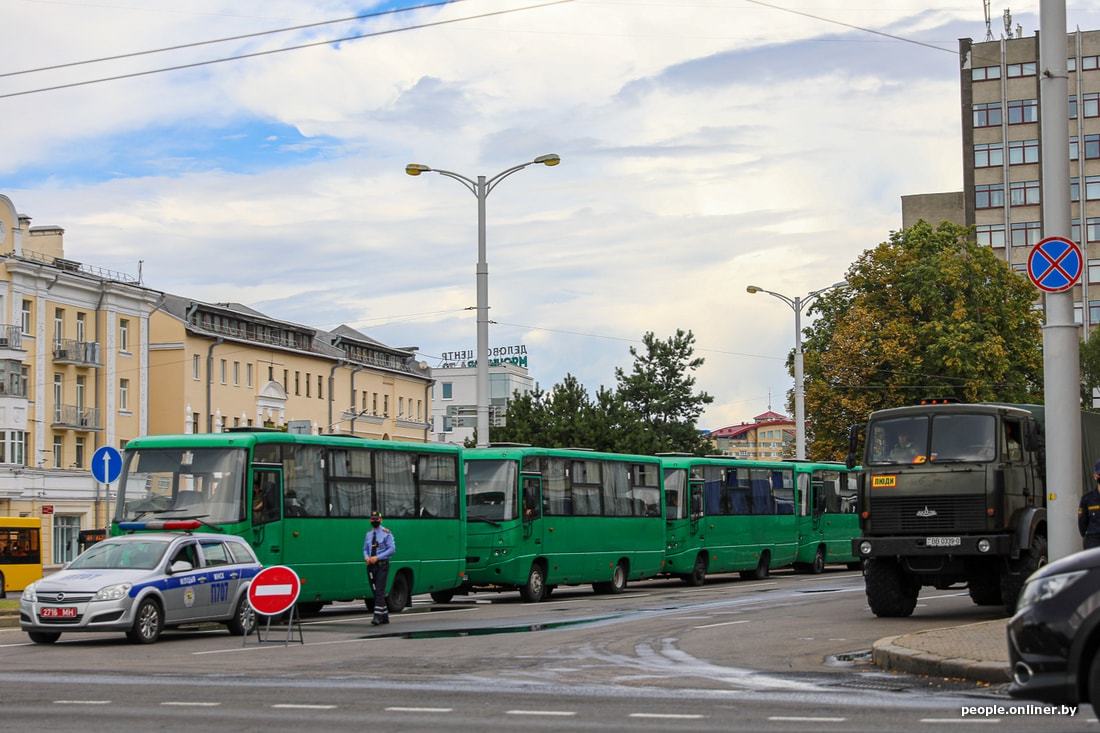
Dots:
pixel 1054 264
pixel 106 468
pixel 275 591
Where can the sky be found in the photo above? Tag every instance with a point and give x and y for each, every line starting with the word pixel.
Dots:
pixel 706 145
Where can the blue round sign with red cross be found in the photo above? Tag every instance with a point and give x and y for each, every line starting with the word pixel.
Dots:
pixel 1054 264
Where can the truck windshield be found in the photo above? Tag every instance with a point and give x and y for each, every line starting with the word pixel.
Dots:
pixel 175 482
pixel 491 490
pixel 898 440
pixel 963 438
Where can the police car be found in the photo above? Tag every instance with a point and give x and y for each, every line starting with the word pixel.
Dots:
pixel 143 583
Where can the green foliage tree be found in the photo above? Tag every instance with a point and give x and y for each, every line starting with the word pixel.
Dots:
pixel 928 313
pixel 1090 370
pixel 653 409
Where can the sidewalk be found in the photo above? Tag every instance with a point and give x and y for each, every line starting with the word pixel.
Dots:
pixel 974 651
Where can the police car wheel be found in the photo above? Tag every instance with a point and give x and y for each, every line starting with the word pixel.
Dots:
pixel 44 637
pixel 148 623
pixel 244 618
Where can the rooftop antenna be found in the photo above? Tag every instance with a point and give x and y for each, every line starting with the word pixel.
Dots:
pixel 988 21
pixel 1019 30
pixel 1008 22
pixel 769 400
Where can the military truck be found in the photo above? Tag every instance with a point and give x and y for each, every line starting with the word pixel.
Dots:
pixel 954 493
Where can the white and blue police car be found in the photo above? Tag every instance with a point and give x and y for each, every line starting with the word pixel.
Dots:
pixel 143 583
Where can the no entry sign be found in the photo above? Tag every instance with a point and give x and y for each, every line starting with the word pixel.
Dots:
pixel 274 590
pixel 1054 264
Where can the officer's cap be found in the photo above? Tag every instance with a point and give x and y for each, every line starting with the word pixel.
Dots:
pixel 378 515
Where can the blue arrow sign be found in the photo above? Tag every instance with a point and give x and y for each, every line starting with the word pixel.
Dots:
pixel 1055 264
pixel 106 465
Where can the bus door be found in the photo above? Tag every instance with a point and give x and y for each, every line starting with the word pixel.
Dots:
pixel 695 505
pixel 531 488
pixel 267 510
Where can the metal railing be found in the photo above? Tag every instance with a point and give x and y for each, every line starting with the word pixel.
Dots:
pixel 70 351
pixel 75 416
pixel 11 337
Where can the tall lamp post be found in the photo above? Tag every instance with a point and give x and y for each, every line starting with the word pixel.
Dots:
pixel 798 304
pixel 481 188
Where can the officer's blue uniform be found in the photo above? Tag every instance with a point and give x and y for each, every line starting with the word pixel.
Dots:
pixel 1088 518
pixel 379 543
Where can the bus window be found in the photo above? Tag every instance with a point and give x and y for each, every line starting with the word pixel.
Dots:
pixel 491 490
pixel 438 479
pixel 265 496
pixel 532 502
pixel 675 484
pixel 20 552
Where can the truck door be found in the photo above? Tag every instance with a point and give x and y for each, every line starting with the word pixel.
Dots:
pixel 1012 467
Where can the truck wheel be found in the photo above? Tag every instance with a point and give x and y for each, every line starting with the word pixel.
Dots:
pixel 1014 577
pixel 985 590
pixel 891 592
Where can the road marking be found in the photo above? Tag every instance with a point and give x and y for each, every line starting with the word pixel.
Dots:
pixel 192 704
pixel 418 710
pixel 724 623
pixel 960 720
pixel 666 716
pixel 292 706
pixel 81 702
pixel 562 713
pixel 947 595
pixel 22 643
pixel 802 719
pixel 687 618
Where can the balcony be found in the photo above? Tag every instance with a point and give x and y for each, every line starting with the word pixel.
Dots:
pixel 80 353
pixel 74 417
pixel 11 337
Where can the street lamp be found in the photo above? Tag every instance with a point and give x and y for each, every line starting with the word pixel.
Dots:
pixel 797 304
pixel 481 188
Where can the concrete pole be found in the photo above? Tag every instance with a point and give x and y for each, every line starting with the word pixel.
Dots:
pixel 799 396
pixel 1061 352
pixel 483 319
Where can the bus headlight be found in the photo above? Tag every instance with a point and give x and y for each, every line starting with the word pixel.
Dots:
pixel 983 545
pixel 29 595
pixel 865 548
pixel 113 592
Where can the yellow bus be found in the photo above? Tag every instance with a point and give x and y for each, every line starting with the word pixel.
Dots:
pixel 20 552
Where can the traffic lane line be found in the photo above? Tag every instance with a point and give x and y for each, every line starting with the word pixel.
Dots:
pixel 937 721
pixel 559 713
pixel 805 719
pixel 81 702
pixel 301 706
pixel 724 623
pixel 668 716
pixel 190 704
pixel 400 709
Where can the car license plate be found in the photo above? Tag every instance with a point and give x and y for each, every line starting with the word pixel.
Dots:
pixel 57 612
pixel 943 542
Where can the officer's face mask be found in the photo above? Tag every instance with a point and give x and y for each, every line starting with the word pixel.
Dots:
pixel 376 522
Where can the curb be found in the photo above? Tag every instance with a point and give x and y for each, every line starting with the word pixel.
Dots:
pixel 8 620
pixel 889 655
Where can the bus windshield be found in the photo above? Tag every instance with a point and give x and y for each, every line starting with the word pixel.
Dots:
pixel 491 490
pixel 174 482
pixel 121 555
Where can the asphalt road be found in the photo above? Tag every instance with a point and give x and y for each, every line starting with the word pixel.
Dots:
pixel 788 653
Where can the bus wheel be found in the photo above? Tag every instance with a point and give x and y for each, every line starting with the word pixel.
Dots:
pixel 535 588
pixel 398 598
pixel 44 637
pixel 698 574
pixel 3 593
pixel 443 596
pixel 616 585
pixel 818 565
pixel 763 569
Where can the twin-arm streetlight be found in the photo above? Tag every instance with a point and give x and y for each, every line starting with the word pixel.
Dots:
pixel 481 188
pixel 798 304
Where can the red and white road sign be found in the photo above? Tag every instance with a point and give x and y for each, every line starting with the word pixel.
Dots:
pixel 274 590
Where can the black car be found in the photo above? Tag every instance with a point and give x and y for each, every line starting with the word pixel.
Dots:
pixel 1054 637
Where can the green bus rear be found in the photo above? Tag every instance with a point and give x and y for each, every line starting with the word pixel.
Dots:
pixel 304 501
pixel 828 519
pixel 540 517
pixel 727 515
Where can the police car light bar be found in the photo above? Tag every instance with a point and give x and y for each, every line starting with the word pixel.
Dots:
pixel 166 524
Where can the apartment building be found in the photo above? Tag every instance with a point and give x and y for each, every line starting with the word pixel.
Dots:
pixel 769 436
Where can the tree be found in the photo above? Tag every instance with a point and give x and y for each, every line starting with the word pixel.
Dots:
pixel 1090 370
pixel 928 313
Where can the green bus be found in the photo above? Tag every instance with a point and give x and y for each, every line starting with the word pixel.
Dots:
pixel 304 501
pixel 828 520
pixel 735 515
pixel 542 517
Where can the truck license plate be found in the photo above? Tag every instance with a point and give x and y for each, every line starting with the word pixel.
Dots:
pixel 54 612
pixel 943 541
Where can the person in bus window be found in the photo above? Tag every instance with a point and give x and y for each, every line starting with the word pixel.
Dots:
pixel 378 547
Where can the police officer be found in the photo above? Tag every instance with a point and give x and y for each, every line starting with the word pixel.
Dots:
pixel 1088 513
pixel 378 548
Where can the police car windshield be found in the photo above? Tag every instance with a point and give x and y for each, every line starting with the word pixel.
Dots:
pixel 491 490
pixel 178 482
pixel 121 555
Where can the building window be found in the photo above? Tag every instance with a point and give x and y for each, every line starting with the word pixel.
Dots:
pixel 79 461
pixel 1021 152
pixel 17 447
pixel 985 73
pixel 374 403
pixel 419 410
pixel 58 324
pixel 123 334
pixel 992 154
pixel 1092 188
pixel 297 383
pixel 195 423
pixel 196 367
pixel 80 327
pixel 1094 271
pixel 989 196
pixel 236 374
pixel 1092 147
pixel 224 369
pixel 1024 69
pixel 248 374
pixel 400 406
pixel 124 394
pixel 25 326
pixel 66 533
pixel 1025 233
pixel 448 425
pixel 1023 111
pixel 286 380
pixel 320 387
pixel 991 235
pixel 448 390
pixel 1026 193
pixel 987 115
pixel 58 451
pixel 386 405
pixel 364 408
pixel 58 388
pixel 309 381
pixel 81 390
